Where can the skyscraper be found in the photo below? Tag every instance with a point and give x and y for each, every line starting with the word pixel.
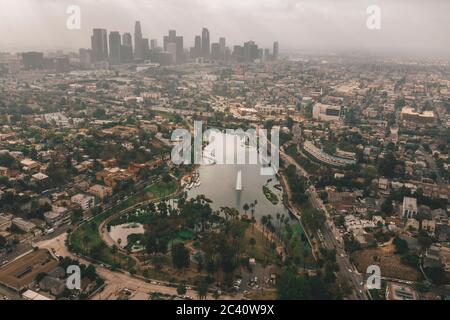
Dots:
pixel 238 53
pixel 250 51
pixel 115 44
pixel 172 49
pixel 126 52
pixel 99 41
pixel 145 48
pixel 198 47
pixel 266 54
pixel 275 50
pixel 206 46
pixel 138 43
pixel 178 41
pixel 153 44
pixel 215 51
pixel 222 44
pixel 127 40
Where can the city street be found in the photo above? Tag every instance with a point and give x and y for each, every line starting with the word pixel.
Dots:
pixel 346 270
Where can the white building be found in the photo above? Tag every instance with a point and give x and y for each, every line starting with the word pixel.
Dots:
pixel 320 155
pixel 409 208
pixel 325 112
pixel 85 201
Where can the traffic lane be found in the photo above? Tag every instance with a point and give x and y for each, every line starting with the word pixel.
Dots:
pixel 345 267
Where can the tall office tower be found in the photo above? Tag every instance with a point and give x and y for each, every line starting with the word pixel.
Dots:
pixel 222 44
pixel 127 40
pixel 126 50
pixel 198 47
pixel 172 34
pixel 215 51
pixel 250 51
pixel 172 49
pixel 238 53
pixel 138 44
pixel 172 37
pixel 153 44
pixel 145 48
pixel 206 47
pixel 275 50
pixel 178 41
pixel 180 49
pixel 261 54
pixel 115 44
pixel 266 54
pixel 227 54
pixel 99 41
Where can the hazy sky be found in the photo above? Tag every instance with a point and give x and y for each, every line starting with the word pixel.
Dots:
pixel 407 25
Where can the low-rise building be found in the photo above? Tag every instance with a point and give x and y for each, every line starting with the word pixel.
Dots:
pixel 85 201
pixel 320 155
pixel 429 226
pixel 57 217
pixel 25 226
pixel 325 112
pixel 101 192
pixel 409 115
pixel 396 291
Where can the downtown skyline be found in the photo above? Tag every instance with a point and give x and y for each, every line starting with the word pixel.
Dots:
pixel 115 48
pixel 301 25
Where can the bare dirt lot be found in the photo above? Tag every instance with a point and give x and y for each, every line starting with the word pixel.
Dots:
pixel 387 260
pixel 22 272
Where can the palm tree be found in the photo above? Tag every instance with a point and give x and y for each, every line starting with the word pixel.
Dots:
pixel 252 206
pixel 269 221
pixel 246 207
pixel 278 216
pixel 252 242
pixel 264 221
pixel 114 252
pixel 202 289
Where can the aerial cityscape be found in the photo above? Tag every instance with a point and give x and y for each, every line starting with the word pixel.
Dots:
pixel 194 165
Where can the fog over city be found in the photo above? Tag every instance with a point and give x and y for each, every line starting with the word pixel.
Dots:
pixel 407 26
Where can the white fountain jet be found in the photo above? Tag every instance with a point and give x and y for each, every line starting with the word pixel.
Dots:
pixel 239 181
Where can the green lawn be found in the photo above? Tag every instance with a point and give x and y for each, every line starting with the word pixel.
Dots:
pixel 162 189
pixel 272 197
pixel 301 248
